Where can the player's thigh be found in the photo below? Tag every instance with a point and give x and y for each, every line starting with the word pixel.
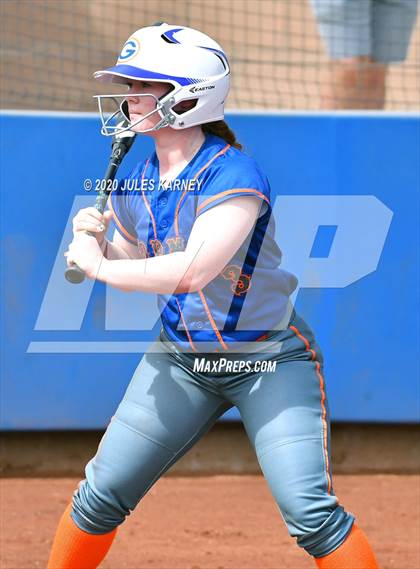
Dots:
pixel 160 417
pixel 286 405
pixel 392 25
pixel 345 26
pixel 285 414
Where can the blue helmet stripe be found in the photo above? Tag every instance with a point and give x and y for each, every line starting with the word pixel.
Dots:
pixel 138 73
pixel 218 51
pixel 169 35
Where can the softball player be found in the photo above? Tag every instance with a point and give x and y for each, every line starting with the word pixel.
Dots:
pixel 197 230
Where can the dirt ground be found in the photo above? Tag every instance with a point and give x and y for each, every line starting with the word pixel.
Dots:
pixel 217 522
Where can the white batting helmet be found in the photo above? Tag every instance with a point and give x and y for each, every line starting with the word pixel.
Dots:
pixel 194 64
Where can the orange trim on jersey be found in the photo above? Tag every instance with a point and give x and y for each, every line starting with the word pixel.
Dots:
pixel 225 149
pixel 146 203
pixel 261 338
pixel 235 191
pixel 185 326
pixel 211 319
pixel 322 389
pixel 123 230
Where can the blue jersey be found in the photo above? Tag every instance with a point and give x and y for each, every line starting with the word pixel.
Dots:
pixel 249 296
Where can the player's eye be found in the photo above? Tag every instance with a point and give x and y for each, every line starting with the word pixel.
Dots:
pixel 145 84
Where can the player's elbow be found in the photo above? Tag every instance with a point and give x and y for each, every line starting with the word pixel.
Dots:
pixel 188 284
pixel 126 288
pixel 203 280
pixel 193 280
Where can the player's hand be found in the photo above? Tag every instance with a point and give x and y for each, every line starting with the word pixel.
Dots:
pixel 86 252
pixel 89 219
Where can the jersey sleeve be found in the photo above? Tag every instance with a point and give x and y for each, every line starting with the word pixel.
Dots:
pixel 235 176
pixel 118 203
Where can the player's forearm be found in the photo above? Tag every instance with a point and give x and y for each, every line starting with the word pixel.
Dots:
pixel 164 274
pixel 113 252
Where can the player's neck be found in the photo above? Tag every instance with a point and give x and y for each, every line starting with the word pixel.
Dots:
pixel 175 148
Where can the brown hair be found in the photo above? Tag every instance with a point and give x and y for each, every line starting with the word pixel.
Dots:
pixel 221 128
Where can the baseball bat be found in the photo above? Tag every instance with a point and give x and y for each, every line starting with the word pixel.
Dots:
pixel 121 144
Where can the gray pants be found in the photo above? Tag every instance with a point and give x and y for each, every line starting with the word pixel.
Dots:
pixel 168 406
pixel 377 28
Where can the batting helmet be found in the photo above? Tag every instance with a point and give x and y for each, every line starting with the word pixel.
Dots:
pixel 193 64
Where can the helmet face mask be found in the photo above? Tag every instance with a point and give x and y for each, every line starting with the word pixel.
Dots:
pixel 110 124
pixel 193 64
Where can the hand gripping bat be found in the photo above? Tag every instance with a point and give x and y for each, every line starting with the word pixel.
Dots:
pixel 121 144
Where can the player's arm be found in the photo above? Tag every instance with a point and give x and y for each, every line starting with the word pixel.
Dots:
pixel 120 248
pixel 215 237
pixel 90 219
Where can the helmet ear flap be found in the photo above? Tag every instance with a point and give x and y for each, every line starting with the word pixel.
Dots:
pixel 124 110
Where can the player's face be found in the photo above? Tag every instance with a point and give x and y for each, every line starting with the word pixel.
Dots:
pixel 138 107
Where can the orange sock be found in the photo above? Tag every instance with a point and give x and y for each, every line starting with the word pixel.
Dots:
pixel 76 549
pixel 354 553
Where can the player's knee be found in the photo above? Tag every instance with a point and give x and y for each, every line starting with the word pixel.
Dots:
pixel 319 527
pixel 360 72
pixel 97 510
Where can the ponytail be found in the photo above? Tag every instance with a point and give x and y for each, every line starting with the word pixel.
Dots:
pixel 221 129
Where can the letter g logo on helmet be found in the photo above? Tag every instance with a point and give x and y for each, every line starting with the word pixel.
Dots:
pixel 130 49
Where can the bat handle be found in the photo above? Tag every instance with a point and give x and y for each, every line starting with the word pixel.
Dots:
pixel 74 274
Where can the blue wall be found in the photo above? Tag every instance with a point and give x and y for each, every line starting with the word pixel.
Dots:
pixel 359 178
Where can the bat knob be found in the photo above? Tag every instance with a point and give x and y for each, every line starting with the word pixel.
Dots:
pixel 74 274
